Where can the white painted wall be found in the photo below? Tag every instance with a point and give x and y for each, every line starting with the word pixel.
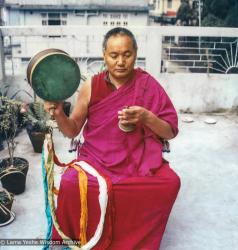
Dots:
pixel 31 18
pixel 188 92
pixel 73 19
pixel 13 18
pixel 201 92
pixel 138 19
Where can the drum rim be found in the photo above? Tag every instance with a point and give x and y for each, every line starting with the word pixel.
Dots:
pixel 37 58
pixel 41 59
pixel 37 63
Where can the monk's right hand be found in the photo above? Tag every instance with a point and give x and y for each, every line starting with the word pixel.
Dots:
pixel 53 108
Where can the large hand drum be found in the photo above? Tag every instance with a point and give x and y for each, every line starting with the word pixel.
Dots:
pixel 53 75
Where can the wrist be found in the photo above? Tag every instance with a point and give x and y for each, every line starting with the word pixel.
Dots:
pixel 147 117
pixel 59 112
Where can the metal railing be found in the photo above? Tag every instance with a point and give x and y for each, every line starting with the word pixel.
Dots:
pixel 168 49
pixel 201 54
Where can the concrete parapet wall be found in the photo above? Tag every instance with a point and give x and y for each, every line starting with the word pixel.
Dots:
pixel 195 92
pixel 201 92
pixel 188 92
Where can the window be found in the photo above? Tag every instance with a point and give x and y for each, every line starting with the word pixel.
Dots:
pixel 169 4
pixel 64 15
pixel 115 19
pixel 25 59
pixel 105 23
pixel 78 13
pixel 54 22
pixel 54 18
pixel 54 15
pixel 117 16
pixel 125 23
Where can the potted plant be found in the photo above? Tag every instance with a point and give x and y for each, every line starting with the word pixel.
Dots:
pixel 36 124
pixel 13 170
pixel 6 200
pixel 5 93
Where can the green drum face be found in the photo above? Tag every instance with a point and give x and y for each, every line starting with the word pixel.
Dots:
pixel 55 76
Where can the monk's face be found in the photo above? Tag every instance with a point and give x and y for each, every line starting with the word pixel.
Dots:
pixel 120 56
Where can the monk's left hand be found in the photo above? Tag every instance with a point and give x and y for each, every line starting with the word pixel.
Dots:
pixel 133 115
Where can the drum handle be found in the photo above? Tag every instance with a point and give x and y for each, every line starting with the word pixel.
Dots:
pixel 51 112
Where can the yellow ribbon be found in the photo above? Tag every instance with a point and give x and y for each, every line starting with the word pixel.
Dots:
pixel 83 188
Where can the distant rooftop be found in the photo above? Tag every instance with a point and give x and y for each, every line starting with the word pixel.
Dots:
pixel 124 5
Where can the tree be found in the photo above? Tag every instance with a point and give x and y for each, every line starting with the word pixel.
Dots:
pixel 232 17
pixel 212 21
pixel 220 13
pixel 187 15
pixel 184 13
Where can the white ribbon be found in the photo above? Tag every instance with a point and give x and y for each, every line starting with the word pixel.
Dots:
pixel 103 200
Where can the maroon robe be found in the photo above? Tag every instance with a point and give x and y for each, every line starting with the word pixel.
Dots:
pixel 144 186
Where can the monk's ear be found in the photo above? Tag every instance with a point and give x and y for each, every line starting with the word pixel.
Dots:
pixel 103 53
pixel 136 52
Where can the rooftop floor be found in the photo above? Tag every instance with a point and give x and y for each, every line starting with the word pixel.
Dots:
pixel 205 214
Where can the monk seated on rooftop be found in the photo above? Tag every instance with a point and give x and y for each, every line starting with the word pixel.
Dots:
pixel 127 114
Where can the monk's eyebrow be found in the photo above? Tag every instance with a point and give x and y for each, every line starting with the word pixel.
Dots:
pixel 123 53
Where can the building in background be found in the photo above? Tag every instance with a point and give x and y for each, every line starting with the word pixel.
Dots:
pixel 73 12
pixel 1 12
pixel 61 13
pixel 165 11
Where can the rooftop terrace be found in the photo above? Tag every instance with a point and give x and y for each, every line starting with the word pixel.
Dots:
pixel 205 214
